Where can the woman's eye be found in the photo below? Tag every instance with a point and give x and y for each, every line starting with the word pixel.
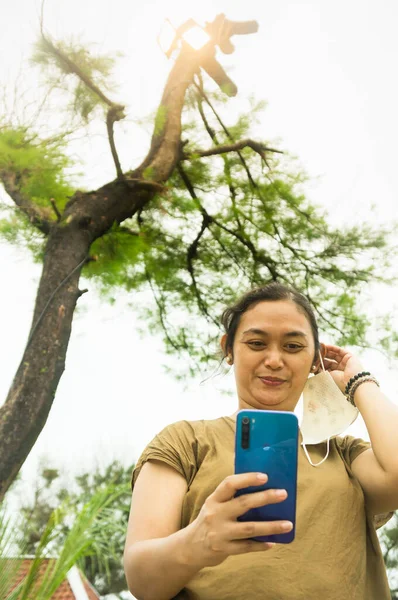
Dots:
pixel 260 344
pixel 294 346
pixel 256 344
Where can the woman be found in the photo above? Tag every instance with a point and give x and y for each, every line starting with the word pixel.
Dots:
pixel 184 540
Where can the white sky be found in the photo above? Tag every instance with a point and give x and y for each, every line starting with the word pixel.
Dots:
pixel 328 71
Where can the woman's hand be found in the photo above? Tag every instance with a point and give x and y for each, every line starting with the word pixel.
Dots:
pixel 216 534
pixel 341 364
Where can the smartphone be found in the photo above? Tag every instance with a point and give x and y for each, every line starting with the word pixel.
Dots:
pixel 266 441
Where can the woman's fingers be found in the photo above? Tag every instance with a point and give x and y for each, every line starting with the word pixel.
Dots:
pixel 251 529
pixel 243 547
pixel 238 506
pixel 231 484
pixel 336 356
pixel 335 350
pixel 217 529
pixel 331 365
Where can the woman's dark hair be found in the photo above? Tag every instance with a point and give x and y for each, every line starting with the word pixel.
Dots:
pixel 231 316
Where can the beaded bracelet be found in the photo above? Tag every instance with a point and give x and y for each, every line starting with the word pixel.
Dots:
pixel 356 385
pixel 353 380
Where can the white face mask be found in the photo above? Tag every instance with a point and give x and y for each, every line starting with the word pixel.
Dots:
pixel 326 411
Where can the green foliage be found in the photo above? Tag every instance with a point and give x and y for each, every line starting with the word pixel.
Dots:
pixel 40 165
pixel 41 169
pixel 116 252
pixel 79 541
pixel 389 543
pixel 225 223
pixel 103 565
pixel 55 60
pixel 17 230
pixel 85 101
pixel 262 227
pixel 45 55
pixel 9 540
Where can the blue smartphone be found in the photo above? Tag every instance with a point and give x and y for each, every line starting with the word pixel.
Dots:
pixel 266 441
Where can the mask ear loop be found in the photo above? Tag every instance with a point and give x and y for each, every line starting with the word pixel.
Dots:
pixel 323 459
pixel 320 356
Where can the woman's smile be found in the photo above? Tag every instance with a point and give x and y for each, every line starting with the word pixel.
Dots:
pixel 272 381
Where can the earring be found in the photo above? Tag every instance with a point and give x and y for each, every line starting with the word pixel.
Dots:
pixel 229 359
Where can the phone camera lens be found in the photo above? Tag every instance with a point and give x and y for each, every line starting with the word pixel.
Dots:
pixel 245 433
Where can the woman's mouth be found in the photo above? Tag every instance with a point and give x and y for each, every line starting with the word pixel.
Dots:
pixel 272 381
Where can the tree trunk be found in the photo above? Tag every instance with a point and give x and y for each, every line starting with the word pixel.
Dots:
pixel 33 389
pixel 24 414
pixel 87 217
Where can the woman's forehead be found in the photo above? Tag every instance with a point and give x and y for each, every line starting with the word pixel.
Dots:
pixel 275 314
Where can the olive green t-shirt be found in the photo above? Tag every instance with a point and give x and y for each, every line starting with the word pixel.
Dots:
pixel 335 554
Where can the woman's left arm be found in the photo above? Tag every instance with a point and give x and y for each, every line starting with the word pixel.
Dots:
pixel 376 468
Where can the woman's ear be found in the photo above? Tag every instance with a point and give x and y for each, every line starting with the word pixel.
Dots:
pixel 317 366
pixel 223 344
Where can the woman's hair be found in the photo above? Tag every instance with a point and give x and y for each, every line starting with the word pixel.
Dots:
pixel 271 292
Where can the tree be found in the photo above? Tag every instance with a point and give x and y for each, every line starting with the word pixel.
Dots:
pixel 389 542
pixel 52 489
pixel 80 541
pixel 172 225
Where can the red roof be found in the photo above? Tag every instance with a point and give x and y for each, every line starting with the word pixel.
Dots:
pixel 64 592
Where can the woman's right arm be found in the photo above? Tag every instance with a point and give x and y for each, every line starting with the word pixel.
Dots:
pixel 160 558
pixel 154 559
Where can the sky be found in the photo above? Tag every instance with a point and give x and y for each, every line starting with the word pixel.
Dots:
pixel 328 73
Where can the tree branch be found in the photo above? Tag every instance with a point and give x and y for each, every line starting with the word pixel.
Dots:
pixel 38 216
pixel 72 67
pixel 227 167
pixel 55 209
pixel 257 257
pixel 256 146
pixel 227 133
pixel 191 189
pixel 322 314
pixel 227 252
pixel 237 146
pixel 161 312
pixel 115 113
pixel 209 129
pixel 191 255
pixel 207 219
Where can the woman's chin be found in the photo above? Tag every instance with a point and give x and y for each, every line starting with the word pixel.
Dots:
pixel 272 401
pixel 269 400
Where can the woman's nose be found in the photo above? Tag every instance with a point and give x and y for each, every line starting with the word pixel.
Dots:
pixel 273 358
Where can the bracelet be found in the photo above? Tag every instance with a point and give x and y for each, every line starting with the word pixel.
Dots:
pixel 353 380
pixel 356 385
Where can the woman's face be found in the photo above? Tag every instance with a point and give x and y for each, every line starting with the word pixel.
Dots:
pixel 273 353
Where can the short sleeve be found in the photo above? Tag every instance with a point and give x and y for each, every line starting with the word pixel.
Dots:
pixel 176 446
pixel 351 448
